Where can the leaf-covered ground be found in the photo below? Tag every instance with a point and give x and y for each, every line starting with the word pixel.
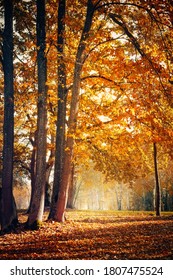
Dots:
pixel 93 235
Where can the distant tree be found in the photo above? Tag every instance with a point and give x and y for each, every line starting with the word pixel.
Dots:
pixel 157 184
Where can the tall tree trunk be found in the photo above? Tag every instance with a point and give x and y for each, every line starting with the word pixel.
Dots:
pixel 68 155
pixel 37 206
pixel 8 207
pixel 61 113
pixel 157 186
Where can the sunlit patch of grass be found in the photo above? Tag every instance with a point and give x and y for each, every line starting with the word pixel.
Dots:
pixel 74 214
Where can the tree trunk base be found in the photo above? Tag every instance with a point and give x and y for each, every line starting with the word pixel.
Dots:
pixel 10 227
pixel 36 225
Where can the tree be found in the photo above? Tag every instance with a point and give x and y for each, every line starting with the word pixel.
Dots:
pixel 157 184
pixel 61 111
pixel 8 207
pixel 37 206
pixel 67 165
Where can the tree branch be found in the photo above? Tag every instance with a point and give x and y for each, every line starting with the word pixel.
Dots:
pixel 24 166
pixel 135 43
pixel 103 78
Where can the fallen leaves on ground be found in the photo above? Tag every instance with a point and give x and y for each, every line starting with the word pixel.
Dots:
pixel 93 235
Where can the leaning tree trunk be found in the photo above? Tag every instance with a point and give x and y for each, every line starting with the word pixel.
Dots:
pixel 8 207
pixel 157 185
pixel 68 154
pixel 37 206
pixel 61 113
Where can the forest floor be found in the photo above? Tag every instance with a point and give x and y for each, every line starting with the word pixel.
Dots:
pixel 89 235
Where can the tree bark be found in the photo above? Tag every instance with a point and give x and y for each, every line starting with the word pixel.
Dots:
pixel 49 166
pixel 32 168
pixel 8 207
pixel 37 206
pixel 68 155
pixel 61 113
pixel 72 190
pixel 157 185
